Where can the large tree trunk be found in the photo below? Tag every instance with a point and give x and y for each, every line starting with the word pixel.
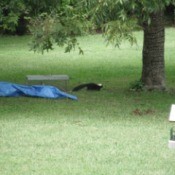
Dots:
pixel 153 73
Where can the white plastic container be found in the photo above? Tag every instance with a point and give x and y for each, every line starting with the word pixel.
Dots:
pixel 172 113
pixel 171 144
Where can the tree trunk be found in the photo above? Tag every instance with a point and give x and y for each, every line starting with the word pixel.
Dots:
pixel 153 73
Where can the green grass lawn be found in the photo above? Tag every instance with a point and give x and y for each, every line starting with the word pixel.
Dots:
pixel 112 132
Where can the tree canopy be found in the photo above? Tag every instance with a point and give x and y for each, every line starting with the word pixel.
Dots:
pixel 13 12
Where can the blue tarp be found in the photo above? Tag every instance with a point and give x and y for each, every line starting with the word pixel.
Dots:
pixel 14 90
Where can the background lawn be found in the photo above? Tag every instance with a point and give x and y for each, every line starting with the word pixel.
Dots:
pixel 112 132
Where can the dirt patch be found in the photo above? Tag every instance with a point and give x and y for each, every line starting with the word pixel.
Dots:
pixel 140 112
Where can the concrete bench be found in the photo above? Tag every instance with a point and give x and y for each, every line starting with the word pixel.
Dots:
pixel 44 78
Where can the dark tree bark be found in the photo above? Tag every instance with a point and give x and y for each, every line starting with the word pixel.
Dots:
pixel 153 73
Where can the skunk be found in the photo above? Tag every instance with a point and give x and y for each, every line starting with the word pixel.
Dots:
pixel 88 86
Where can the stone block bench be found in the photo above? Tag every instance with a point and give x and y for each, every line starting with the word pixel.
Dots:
pixel 42 79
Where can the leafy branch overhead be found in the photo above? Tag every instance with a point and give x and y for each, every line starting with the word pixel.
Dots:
pixel 62 27
pixel 117 19
pixel 61 21
pixel 120 18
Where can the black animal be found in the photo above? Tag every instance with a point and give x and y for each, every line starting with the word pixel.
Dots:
pixel 88 86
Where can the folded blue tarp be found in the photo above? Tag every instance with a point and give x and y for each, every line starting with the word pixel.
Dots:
pixel 14 90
